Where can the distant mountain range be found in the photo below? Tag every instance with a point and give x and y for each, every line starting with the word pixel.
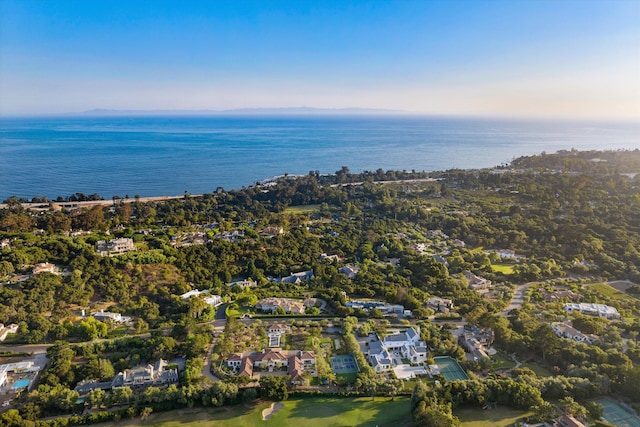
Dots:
pixel 242 111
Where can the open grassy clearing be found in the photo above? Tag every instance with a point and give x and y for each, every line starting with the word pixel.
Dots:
pixel 299 210
pixel 505 269
pixel 502 416
pixel 611 292
pixel 501 361
pixel 539 370
pixel 319 412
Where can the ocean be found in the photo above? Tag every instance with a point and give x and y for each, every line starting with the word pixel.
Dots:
pixel 156 156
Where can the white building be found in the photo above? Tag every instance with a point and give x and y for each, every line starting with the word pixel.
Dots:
pixel 6 330
pixel 212 300
pixel 107 315
pixel 592 309
pixel 566 330
pixel 405 344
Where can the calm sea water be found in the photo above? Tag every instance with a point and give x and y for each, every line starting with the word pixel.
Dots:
pixel 168 155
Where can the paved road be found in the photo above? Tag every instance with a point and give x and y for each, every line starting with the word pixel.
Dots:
pixel 518 298
pixel 27 348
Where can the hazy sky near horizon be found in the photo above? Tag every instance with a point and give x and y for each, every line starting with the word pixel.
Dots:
pixel 557 58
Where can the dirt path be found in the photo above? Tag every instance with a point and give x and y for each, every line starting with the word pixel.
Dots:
pixel 268 413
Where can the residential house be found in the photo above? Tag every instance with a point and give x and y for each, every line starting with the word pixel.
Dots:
pixel 158 374
pixel 296 278
pixel 329 258
pixel 568 421
pixel 277 329
pixel 379 357
pixel 566 330
pixel 6 330
pixel 349 270
pixel 45 267
pixel 289 305
pixel 212 300
pixel 440 305
pixel 273 359
pixel 560 295
pixel 591 309
pixel 476 282
pixel 477 341
pixel 272 231
pixel 115 246
pixel 243 284
pixel 405 344
pixel 107 315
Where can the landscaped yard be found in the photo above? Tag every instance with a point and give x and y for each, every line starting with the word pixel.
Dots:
pixel 319 412
pixel 505 269
pixel 502 416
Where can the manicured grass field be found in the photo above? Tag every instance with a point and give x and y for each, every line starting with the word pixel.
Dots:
pixel 539 370
pixel 317 412
pixel 502 416
pixel 505 269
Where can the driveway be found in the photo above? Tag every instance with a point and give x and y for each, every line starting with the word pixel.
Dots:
pixel 518 298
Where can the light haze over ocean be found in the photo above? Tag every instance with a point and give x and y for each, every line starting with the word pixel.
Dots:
pixel 154 156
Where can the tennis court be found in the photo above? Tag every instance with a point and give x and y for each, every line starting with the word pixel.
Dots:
pixel 450 369
pixel 344 364
pixel 617 415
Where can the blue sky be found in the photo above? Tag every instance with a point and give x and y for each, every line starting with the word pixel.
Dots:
pixel 488 58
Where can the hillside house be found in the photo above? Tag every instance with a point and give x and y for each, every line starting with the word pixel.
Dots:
pixel 115 246
pixel 591 309
pixel 476 282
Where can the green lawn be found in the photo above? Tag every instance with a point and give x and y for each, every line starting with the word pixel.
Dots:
pixel 318 412
pixel 502 416
pixel 611 292
pixel 539 370
pixel 502 362
pixel 299 210
pixel 505 269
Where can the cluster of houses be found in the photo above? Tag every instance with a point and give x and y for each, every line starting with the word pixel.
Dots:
pixel 566 330
pixel 290 306
pixel 159 374
pixel 592 309
pixel 296 362
pixel 406 345
pixel 196 238
pixel 115 246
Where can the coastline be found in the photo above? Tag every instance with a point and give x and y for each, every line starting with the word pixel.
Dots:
pixel 89 203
